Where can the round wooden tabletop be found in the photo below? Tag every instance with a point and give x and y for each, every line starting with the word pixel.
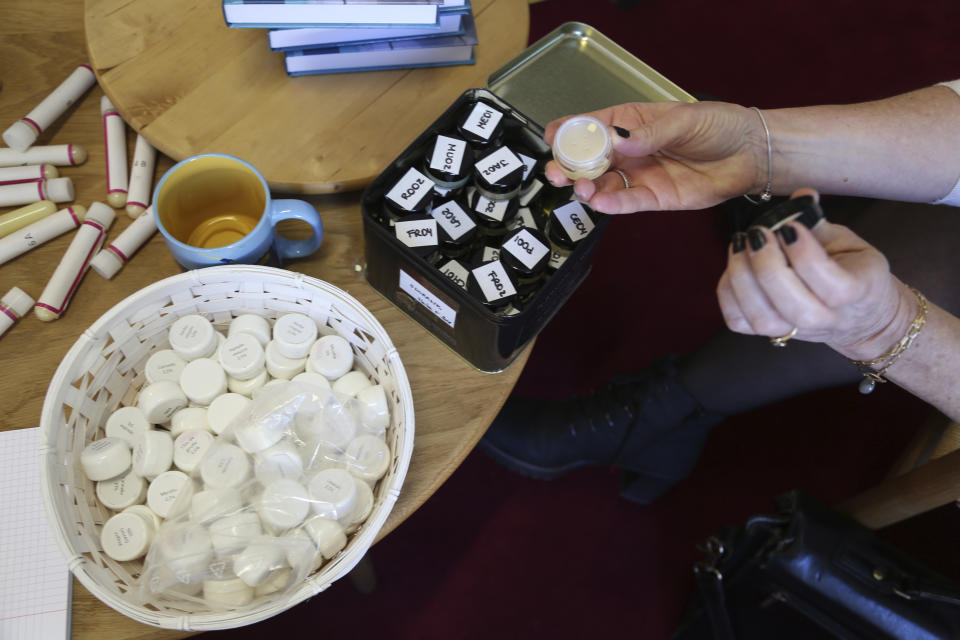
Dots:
pixel 189 84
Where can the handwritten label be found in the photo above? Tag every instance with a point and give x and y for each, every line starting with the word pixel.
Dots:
pixel 448 155
pixel 526 248
pixel 525 216
pixel 493 209
pixel 528 165
pixel 490 254
pixel 431 302
pixel 497 165
pixel 530 193
pixel 482 121
pixel 453 219
pixel 557 259
pixel 456 273
pixel 575 221
pixel 410 190
pixel 417 233
pixel 493 281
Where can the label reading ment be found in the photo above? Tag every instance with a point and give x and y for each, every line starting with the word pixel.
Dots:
pixel 526 248
pixel 417 233
pixel 498 164
pixel 410 190
pixel 448 155
pixel 453 219
pixel 575 220
pixel 482 121
pixel 493 281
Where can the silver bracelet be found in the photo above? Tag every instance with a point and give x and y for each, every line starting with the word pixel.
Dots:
pixel 767 192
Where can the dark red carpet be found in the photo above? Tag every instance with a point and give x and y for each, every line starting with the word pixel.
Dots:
pixel 495 555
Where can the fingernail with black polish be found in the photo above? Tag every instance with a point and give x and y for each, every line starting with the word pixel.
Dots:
pixel 788 234
pixel 739 242
pixel 623 133
pixel 757 239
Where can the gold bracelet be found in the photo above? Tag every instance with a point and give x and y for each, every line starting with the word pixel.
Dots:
pixel 873 375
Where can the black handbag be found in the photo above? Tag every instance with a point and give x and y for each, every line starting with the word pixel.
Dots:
pixel 809 572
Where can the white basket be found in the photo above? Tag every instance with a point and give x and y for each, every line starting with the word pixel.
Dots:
pixel 104 370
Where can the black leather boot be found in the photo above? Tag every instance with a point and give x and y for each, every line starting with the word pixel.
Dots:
pixel 646 424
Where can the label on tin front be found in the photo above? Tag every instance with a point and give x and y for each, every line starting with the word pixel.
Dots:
pixel 482 121
pixel 417 233
pixel 498 165
pixel 448 155
pixel 493 281
pixel 575 221
pixel 410 189
pixel 453 219
pixel 525 248
pixel 493 209
pixel 427 299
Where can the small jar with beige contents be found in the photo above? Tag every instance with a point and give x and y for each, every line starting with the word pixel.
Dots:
pixel 582 148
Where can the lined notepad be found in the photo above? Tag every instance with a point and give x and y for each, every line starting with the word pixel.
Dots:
pixel 34 579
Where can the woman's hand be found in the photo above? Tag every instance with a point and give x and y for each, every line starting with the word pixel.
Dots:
pixel 827 283
pixel 676 156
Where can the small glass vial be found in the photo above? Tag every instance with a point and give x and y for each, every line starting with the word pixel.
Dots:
pixel 410 195
pixel 567 226
pixel 481 125
pixel 493 216
pixel 457 227
pixel 448 162
pixel 419 235
pixel 499 174
pixel 525 253
pixel 582 148
pixel 491 286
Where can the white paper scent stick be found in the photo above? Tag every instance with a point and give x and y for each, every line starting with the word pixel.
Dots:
pixel 28 173
pixel 22 133
pixel 115 148
pixel 111 259
pixel 61 155
pixel 41 231
pixel 57 189
pixel 141 177
pixel 68 274
pixel 12 307
pixel 20 218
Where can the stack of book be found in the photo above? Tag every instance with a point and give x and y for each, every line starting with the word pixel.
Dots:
pixel 335 36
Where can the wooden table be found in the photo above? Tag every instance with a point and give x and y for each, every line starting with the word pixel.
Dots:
pixel 177 74
pixel 454 402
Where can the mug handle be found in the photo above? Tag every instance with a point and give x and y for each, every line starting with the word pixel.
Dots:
pixel 298 210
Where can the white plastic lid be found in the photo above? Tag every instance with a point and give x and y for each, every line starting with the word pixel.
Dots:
pixel 100 213
pixel 144 511
pixel 224 409
pixel 258 435
pixel 351 383
pixel 166 489
pixel 373 410
pixel 164 365
pixel 59 189
pixel 225 465
pixel 187 419
pixel 232 592
pixel 126 536
pixel 333 493
pixel 278 581
pixel 280 461
pixel 105 458
pixel 202 380
pixel 18 301
pixel 106 263
pixel 294 334
pixel 368 457
pixel 301 551
pixel 314 379
pixel 20 136
pixel 215 503
pixel 241 356
pixel 189 448
pixel 192 336
pixel 284 504
pixel 582 144
pixel 247 387
pixel 362 509
pixel 257 326
pixel 279 365
pixel 152 453
pixel 127 423
pixel 334 427
pixel 327 535
pixel 331 356
pixel 255 563
pixel 121 492
pixel 160 400
pixel 186 550
pixel 231 534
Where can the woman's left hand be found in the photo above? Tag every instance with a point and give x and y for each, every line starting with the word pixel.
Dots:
pixel 827 283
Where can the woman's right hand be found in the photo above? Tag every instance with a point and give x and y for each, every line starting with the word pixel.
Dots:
pixel 676 156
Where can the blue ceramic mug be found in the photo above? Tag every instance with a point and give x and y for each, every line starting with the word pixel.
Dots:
pixel 216 209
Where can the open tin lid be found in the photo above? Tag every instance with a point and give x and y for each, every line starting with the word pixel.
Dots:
pixel 575 69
